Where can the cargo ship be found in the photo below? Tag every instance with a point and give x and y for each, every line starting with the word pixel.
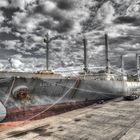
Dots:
pixel 36 95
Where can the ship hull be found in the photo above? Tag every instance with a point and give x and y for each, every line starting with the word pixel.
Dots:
pixel 42 111
pixel 45 94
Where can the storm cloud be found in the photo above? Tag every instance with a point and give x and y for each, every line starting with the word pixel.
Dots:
pixel 135 21
pixel 65 5
pixel 24 23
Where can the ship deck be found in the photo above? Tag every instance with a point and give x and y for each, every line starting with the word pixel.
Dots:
pixel 116 119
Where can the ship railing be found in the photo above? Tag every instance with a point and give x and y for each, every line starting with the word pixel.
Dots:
pixel 117 71
pixel 93 68
pixel 102 77
pixel 77 71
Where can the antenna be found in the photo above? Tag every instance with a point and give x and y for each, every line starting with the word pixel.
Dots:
pixel 106 53
pixel 85 53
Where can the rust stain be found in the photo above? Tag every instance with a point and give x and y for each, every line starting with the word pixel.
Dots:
pixel 16 116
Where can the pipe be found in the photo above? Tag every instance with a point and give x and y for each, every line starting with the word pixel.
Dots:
pixel 85 54
pixel 106 54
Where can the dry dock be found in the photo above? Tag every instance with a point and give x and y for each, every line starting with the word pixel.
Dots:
pixel 115 120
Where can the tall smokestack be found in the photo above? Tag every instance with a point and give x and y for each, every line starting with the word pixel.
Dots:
pixel 106 53
pixel 138 65
pixel 122 63
pixel 85 54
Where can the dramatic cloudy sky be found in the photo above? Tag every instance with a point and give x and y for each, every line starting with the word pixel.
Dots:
pixel 24 24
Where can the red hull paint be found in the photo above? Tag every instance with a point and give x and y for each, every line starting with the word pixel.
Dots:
pixel 17 115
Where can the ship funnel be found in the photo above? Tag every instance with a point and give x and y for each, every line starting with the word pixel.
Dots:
pixel 47 40
pixel 138 66
pixel 85 54
pixel 106 54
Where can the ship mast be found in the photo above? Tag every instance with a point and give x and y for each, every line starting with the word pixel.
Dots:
pixel 122 64
pixel 106 54
pixel 47 40
pixel 85 54
pixel 138 66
